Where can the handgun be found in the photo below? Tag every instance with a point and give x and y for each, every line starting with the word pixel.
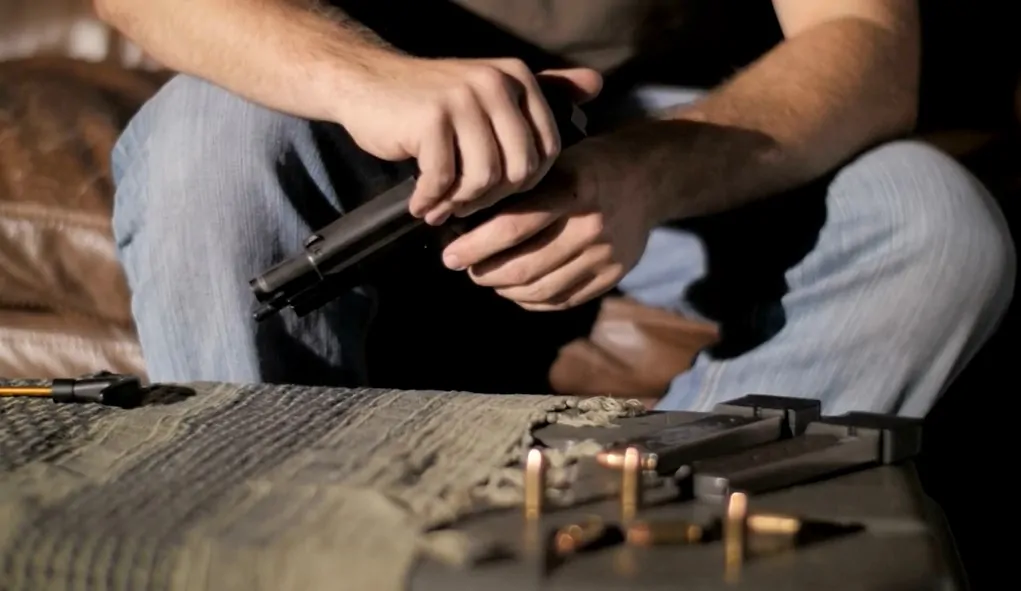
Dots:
pixel 334 258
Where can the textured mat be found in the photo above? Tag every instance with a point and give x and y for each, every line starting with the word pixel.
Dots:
pixel 253 487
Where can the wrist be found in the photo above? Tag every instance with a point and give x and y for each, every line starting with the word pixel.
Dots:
pixel 675 165
pixel 345 76
pixel 631 168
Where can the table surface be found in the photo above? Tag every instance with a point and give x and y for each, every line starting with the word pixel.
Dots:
pixel 220 486
pixel 904 543
pixel 247 487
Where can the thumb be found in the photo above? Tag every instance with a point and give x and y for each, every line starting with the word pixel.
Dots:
pixel 582 84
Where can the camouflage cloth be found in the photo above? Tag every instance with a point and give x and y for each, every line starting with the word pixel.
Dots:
pixel 246 487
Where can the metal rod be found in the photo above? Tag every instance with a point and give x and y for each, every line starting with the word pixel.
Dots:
pixel 35 391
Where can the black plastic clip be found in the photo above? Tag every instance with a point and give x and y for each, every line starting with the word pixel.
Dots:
pixel 106 388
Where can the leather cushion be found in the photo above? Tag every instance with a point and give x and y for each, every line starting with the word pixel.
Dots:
pixel 59 119
pixel 64 302
pixel 51 344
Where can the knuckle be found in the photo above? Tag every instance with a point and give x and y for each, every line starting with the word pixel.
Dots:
pixel 442 177
pixel 512 230
pixel 552 146
pixel 603 256
pixel 532 162
pixel 519 275
pixel 516 177
pixel 504 230
pixel 594 227
pixel 537 293
pixel 427 188
pixel 434 117
pixel 460 96
pixel 489 78
pixel 611 256
pixel 478 182
pixel 516 67
pixel 428 191
pixel 520 173
pixel 492 176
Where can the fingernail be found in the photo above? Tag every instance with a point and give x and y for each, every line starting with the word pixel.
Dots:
pixel 436 217
pixel 452 262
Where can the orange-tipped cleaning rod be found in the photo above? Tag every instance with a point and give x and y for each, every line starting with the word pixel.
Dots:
pixel 35 391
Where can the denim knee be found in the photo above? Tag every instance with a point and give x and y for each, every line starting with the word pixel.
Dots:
pixel 199 161
pixel 941 216
pixel 201 207
pixel 953 243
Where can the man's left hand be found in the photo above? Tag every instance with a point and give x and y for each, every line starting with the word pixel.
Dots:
pixel 570 240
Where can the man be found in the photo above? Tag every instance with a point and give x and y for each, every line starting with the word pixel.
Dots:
pixel 906 275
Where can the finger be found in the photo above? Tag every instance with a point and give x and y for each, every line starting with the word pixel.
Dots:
pixel 579 295
pixel 506 230
pixel 535 108
pixel 541 117
pixel 437 165
pixel 556 286
pixel 537 112
pixel 439 214
pixel 544 128
pixel 582 84
pixel 517 147
pixel 603 283
pixel 548 250
pixel 481 167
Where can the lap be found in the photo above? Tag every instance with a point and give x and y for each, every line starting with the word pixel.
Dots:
pixel 810 288
pixel 904 188
pixel 868 289
pixel 233 187
pixel 906 193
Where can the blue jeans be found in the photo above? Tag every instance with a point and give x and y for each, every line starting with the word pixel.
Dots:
pixel 868 291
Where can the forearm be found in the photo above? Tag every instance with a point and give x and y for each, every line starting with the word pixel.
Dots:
pixel 796 114
pixel 288 55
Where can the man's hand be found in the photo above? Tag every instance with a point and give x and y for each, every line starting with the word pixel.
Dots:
pixel 480 129
pixel 574 238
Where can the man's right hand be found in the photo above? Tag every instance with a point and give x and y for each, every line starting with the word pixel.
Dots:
pixel 480 130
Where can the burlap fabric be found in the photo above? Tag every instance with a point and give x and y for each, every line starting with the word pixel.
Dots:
pixel 252 487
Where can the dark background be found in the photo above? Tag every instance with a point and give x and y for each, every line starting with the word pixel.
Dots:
pixel 970 68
